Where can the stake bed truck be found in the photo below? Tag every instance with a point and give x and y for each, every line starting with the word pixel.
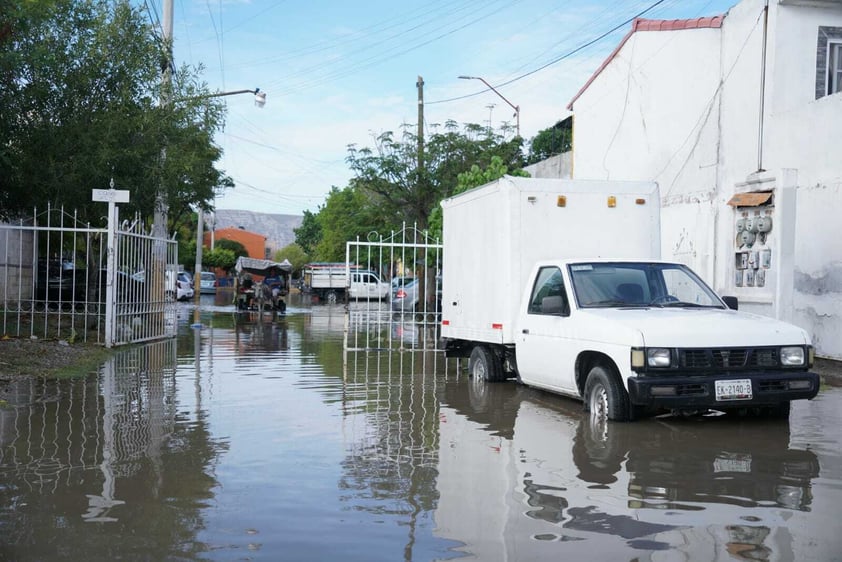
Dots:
pixel 558 283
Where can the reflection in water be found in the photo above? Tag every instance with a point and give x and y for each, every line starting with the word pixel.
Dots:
pixel 75 453
pixel 695 487
pixel 328 434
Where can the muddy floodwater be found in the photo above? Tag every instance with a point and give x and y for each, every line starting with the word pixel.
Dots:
pixel 334 435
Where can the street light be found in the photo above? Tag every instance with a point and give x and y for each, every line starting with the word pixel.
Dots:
pixel 515 107
pixel 259 101
pixel 259 97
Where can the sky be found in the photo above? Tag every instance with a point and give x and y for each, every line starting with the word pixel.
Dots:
pixel 339 73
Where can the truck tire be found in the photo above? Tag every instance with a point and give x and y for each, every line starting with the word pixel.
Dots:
pixel 484 364
pixel 331 297
pixel 605 396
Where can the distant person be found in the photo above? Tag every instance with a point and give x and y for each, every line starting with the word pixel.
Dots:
pixel 275 282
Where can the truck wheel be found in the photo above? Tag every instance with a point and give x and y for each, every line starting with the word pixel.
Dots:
pixel 604 396
pixel 484 364
pixel 331 297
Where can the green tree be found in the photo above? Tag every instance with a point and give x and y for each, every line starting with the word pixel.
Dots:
pixel 295 254
pixel 235 247
pixel 401 191
pixel 79 88
pixel 346 214
pixel 309 233
pixel 551 141
pixel 219 257
pixel 474 177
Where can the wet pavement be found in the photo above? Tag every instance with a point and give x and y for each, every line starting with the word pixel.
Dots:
pixel 323 436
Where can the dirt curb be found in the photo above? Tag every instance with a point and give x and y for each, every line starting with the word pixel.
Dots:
pixel 26 357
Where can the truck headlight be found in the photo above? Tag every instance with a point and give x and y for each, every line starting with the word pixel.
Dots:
pixel 792 356
pixel 658 357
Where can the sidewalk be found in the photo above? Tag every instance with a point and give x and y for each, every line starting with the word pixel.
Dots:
pixel 829 370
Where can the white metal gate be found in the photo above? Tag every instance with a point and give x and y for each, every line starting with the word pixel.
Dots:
pixel 55 280
pixel 407 318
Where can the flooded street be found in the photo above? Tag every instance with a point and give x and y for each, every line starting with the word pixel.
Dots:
pixel 325 436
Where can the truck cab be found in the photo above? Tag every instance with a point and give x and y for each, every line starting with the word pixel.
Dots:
pixel 633 337
pixel 366 285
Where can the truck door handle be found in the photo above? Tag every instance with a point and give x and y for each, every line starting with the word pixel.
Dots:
pixel 525 330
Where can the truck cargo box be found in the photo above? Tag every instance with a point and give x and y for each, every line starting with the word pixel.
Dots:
pixel 494 234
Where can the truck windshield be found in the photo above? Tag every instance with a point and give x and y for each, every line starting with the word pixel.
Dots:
pixel 639 284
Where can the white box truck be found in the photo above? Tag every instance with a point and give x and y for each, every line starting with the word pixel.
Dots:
pixel 558 283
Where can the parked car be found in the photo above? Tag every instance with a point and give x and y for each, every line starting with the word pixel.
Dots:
pixel 179 285
pixel 399 283
pixel 184 286
pixel 207 283
pixel 59 280
pixel 406 298
pixel 128 287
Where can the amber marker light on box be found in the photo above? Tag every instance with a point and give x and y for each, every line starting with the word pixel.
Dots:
pixel 612 201
pixel 640 201
pixel 561 201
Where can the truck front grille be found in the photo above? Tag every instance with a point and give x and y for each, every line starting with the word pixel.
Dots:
pixel 729 358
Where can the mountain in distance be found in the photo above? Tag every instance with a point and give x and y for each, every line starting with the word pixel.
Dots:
pixel 278 229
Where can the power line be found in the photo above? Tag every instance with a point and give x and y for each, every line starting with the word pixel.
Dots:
pixel 555 60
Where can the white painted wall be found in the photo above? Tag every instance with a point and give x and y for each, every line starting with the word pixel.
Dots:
pixel 558 166
pixel 683 108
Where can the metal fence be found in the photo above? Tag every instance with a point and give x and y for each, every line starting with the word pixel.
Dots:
pixel 55 280
pixel 409 263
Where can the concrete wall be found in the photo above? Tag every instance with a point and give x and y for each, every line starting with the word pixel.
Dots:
pixel 683 108
pixel 558 166
pixel 16 251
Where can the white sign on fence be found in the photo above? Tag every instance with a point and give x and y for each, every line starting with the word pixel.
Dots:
pixel 110 195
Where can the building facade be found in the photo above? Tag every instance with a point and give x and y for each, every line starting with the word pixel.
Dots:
pixel 255 244
pixel 737 117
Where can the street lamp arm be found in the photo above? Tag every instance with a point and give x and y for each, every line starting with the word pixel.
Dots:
pixel 493 89
pixel 259 97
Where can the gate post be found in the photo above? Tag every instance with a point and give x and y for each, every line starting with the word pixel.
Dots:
pixel 112 196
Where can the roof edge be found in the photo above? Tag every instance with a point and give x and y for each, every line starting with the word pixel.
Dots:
pixel 641 24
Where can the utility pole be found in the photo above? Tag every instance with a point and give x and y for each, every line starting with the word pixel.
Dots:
pixel 161 209
pixel 420 85
pixel 423 282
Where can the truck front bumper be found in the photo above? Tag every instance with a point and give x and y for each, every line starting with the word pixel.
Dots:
pixel 699 391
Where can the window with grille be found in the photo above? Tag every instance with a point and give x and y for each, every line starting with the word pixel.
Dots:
pixel 828 61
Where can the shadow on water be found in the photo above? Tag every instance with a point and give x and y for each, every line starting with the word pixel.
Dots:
pixel 342 433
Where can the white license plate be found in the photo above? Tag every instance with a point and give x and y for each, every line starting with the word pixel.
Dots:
pixel 739 389
pixel 732 464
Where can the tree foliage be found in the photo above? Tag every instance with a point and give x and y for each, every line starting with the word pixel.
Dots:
pixel 346 215
pixel 390 176
pixel 309 233
pixel 295 254
pixel 474 177
pixel 232 245
pixel 219 257
pixel 550 142
pixel 79 87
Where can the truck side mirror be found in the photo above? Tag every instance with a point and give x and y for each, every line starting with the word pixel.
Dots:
pixel 731 302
